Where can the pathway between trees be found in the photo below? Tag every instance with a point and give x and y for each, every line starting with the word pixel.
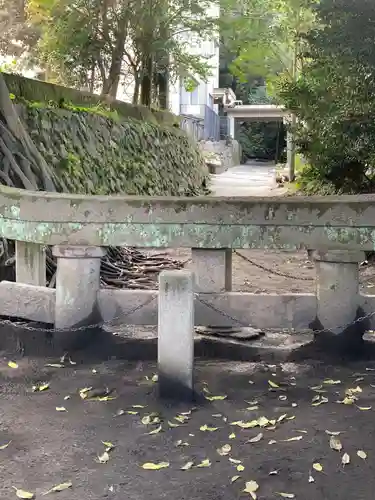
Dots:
pixel 252 179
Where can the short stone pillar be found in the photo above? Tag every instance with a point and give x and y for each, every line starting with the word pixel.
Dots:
pixel 337 289
pixel 77 286
pixel 213 269
pixel 30 263
pixel 176 334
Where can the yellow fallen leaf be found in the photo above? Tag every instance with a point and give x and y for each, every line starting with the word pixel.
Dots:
pixel 345 459
pixel 59 487
pixel 173 424
pixel 130 412
pixel 362 454
pixel 154 378
pixel 354 390
pixel 295 438
pixel 12 364
pixel 66 398
pixel 146 420
pixel 138 406
pixel 40 387
pixel 255 439
pixel 285 495
pixel 273 384
pixel 215 398
pixel 181 418
pixel 109 446
pixel 348 400
pixel 232 435
pixel 234 478
pixel 187 466
pixel 240 468
pixel 155 431
pixel 4 446
pixel 205 463
pixel 272 441
pixel 318 467
pixel 23 494
pixel 54 365
pixel 246 425
pixel 251 487
pixel 61 408
pixel 291 417
pixel 234 461
pixel 152 466
pixel 217 415
pixel 319 400
pixel 181 443
pixel 263 421
pixel 205 428
pixel 331 382
pixel 281 418
pixel 335 443
pixel 103 458
pixel 333 433
pixel 364 408
pixel 224 450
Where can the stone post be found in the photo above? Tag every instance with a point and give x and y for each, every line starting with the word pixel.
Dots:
pixel 176 334
pixel 337 289
pixel 213 269
pixel 30 263
pixel 77 286
pixel 232 127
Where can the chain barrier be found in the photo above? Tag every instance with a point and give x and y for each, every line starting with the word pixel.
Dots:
pixel 272 271
pixel 197 296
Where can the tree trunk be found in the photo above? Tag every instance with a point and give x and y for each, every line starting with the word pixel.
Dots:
pixel 146 85
pixel 110 86
pixel 137 84
pixel 163 86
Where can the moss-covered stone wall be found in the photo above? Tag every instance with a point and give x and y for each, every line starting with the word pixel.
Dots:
pixel 98 155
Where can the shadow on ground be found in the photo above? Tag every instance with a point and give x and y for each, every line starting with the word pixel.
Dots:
pixel 48 447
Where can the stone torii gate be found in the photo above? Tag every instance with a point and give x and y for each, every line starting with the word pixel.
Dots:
pixel 262 112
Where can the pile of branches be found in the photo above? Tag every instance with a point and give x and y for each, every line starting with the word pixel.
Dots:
pixel 124 267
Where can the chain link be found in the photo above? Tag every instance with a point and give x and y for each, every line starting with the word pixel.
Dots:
pixel 79 328
pixel 272 271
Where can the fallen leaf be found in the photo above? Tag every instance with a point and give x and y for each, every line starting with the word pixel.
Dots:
pixel 281 418
pixel 54 365
pixel 173 424
pixel 215 398
pixel 118 413
pixel 205 428
pixel 354 390
pixel 205 463
pixel 345 459
pixel 217 415
pixel 294 405
pixel 23 494
pixel 319 400
pixel 224 450
pixel 109 446
pixel 252 408
pixel 318 467
pixel 234 478
pixel 246 425
pixel 311 479
pixel 291 418
pixel 155 431
pixel 240 468
pixel 146 420
pixel 59 487
pixel 348 400
pixel 40 387
pixel 301 430
pixel 251 487
pixel 263 421
pixel 272 441
pixel 138 406
pixel 333 433
pixel 255 439
pixel 181 418
pixel 152 466
pixel 232 436
pixel 66 398
pixel 273 473
pixel 103 458
pixel 130 412
pixel 154 378
pixel 234 461
pixel 252 403
pixel 4 446
pixel 331 382
pixel 362 454
pixel 61 408
pixel 285 495
pixel 187 466
pixel 335 443
pixel 294 438
pixel 282 397
pixel 12 364
pixel 273 384
pixel 364 408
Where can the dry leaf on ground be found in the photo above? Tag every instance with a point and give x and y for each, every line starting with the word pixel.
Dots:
pixel 59 487
pixel 362 454
pixel 335 443
pixel 205 463
pixel 12 364
pixel 26 495
pixel 224 450
pixel 187 466
pixel 318 467
pixel 152 466
pixel 251 487
pixel 345 459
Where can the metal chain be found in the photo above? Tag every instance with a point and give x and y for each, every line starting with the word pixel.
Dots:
pixel 246 325
pixel 272 271
pixel 79 328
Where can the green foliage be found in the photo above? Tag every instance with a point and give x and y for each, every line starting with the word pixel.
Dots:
pixel 334 99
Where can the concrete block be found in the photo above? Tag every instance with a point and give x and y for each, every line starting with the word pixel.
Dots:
pixel 30 263
pixel 77 287
pixel 213 269
pixel 337 289
pixel 176 334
